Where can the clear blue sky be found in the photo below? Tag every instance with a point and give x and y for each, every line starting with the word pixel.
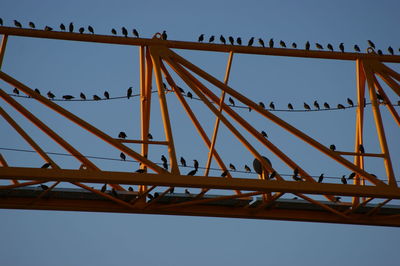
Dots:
pixel 73 238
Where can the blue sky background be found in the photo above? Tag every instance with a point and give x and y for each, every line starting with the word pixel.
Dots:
pixel 73 238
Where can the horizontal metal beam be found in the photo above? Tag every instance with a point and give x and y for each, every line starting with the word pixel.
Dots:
pixel 195 45
pixel 88 176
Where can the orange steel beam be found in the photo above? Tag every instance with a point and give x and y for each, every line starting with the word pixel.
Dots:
pixel 195 45
pixel 326 207
pixel 3 48
pixel 388 103
pixel 3 163
pixel 169 180
pixel 389 81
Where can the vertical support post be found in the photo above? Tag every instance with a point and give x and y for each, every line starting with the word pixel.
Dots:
pixel 3 163
pixel 144 112
pixel 3 48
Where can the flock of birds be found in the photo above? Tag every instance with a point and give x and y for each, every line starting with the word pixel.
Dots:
pixel 232 41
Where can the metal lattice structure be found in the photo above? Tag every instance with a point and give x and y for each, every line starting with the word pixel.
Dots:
pixel 259 198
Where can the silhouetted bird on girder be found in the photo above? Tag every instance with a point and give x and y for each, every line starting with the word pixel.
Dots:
pixel 332 147
pixel 371 44
pixel 232 167
pixel 212 38
pixel 83 96
pixel 320 178
pixel 290 106
pixel 340 106
pixel 81 30
pixel 351 176
pixel 222 39
pixel 356 48
pixel 107 95
pixel 272 106
pixel 124 32
pixel 190 95
pixel 343 179
pixel 104 188
pixel 283 44
pixel 350 102
pixel 129 92
pixel 183 162
pixel 1 22
pixel 261 42
pixel 122 135
pixel 316 105
pixel 135 33
pixel 96 97
pixel 341 47
pixel 164 35
pixel 46 165
pixel 326 105
pixel 201 38
pixel 231 101
pixel 47 28
pixel 71 27
pixel 294 45
pixel 90 29
pixel 271 43
pixel 16 91
pixel 62 27
pixel 196 164
pixel 247 168
pixel 37 91
pixel 149 136
pixel 122 156
pixel 239 40
pixel 231 40
pixel 319 46
pixel 306 106
pixel 164 159
pixel 224 173
pixel 361 148
pixel 330 47
pixel 17 24
pixel 251 41
pixel 390 50
pixel 113 31
pixel 31 24
pixel 264 134
pixel 307 46
pixel 50 95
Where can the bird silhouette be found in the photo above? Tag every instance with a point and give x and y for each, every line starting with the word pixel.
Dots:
pixel 239 40
pixel 68 97
pixel 231 101
pixel 96 97
pixel 294 45
pixel 231 40
pixel 290 106
pixel 90 29
pixel 319 46
pixel 344 180
pixel 271 43
pixel 46 165
pixel 371 44
pixel 16 91
pixel 48 28
pixel 201 38
pixel 129 92
pixel 113 31
pixel 151 197
pixel 224 173
pixel 264 134
pixel 247 168
pixel 81 30
pixel 44 187
pixel 135 33
pixel 62 27
pixel 232 167
pixel 222 39
pixel 149 136
pixel 1 22
pixel 122 135
pixel 272 106
pixel 316 105
pixel 390 50
pixel 330 47
pixel 104 188
pixel 114 193
pixel 195 164
pixel 124 31
pixel 273 175
pixel 380 52
pixel 164 35
pixel 140 171
pixel 261 42
pixel 17 24
pixel 326 105
pixel 71 27
pixel 341 47
pixel 122 156
pixel 379 97
pixel 296 178
pixel 356 48
pixel 340 106
pixel 83 96
pixel 107 95
pixel 332 147
pixel 31 24
pixel 320 178
pixel 306 106
pixel 37 91
pixel 307 46
pixel 164 159
pixel 361 148
pixel 350 102
pixel 251 41
pixel 187 192
pixel 283 44
pixel 262 105
pixel 351 176
pixel 183 162
pixel 193 172
pixel 50 95
pixel 165 165
pixel 130 189
pixel 190 95
pixel 212 38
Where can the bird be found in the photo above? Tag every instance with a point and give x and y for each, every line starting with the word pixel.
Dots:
pixel 129 92
pixel 272 105
pixel 104 188
pixel 130 189
pixel 232 167
pixel 296 171
pixel 44 187
pixel 90 29
pixel 271 43
pixel 124 31
pixel 264 134
pixel 107 95
pixel 261 42
pixel 231 40
pixel 294 45
pixel 122 156
pixel 135 33
pixel 307 46
pixel 201 38
pixel 316 105
pixel 149 136
pixel 341 47
pixel 326 105
pixel 212 38
pixel 187 192
pixel 332 147
pixel 320 178
pixel 251 41
pixel 231 101
pixel 239 40
pixel 247 168
pixel 165 86
pixel 380 52
pixel 283 44
pixel 330 47
pixel 351 176
pixel 350 102
pixel 62 27
pixel 113 31
pixel 296 178
pixel 190 95
pixel 224 173
pixel 1 22
pixel 83 96
pixel 344 180
pixel 165 165
pixel 37 91
pixel 262 105
pixel 222 39
pixel 183 162
pixel 193 172
pixel 50 95
pixel 180 89
pixel 390 50
pixel 17 24
pixel 114 193
pixel 68 97
pixel 371 44
pixel 196 164
pixel 340 106
pixel 379 97
pixel 71 27
pixel 319 46
pixel 164 159
pixel 96 97
pixel 150 196
pixel 81 30
pixel 16 91
pixel 356 48
pixel 31 24
pixel 48 28
pixel 273 174
pixel 164 35
pixel 306 106
pixel 140 171
pixel 46 165
pixel 361 148
pixel 290 106
pixel 122 135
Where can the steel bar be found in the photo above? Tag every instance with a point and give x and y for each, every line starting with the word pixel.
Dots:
pixel 3 163
pixel 3 49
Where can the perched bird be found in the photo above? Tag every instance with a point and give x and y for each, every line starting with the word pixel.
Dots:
pixel 340 106
pixel 390 50
pixel 71 27
pixel 326 105
pixel 62 27
pixel 231 101
pixel 350 102
pixel 273 174
pixel 283 44
pixel 164 35
pixel 16 91
pixel 122 135
pixel 379 97
pixel 165 165
pixel 193 172
pixel 150 196
pixel 183 162
pixel 44 187
pixel 212 38
pixel 50 95
pixel 129 92
pixel 31 24
pixel 332 147
pixel 113 31
pixel 344 180
pixel 83 96
pixel 306 106
pixel 296 172
pixel 361 148
pixel 135 33
pixel 294 45
pixel 164 159
pixel 224 173
pixel 165 86
pixel 239 40
pixel 96 97
pixel 251 41
pixel 271 43
pixel 140 171
pixel 264 134
pixel 196 164
pixel 130 189
pixel 307 46
pixel 330 47
pixel 231 40
pixel 261 42
pixel 319 46
pixel 371 44
pixel 68 97
pixel 201 38
pixel 341 47
pixel 296 178
pixel 190 95
pixel 356 48
pixel 46 165
pixel 17 24
pixel 232 167
pixel 107 95
pixel 320 178
pixel 262 105
pixel 351 176
pixel 90 29
pixel 81 30
pixel 124 31
pixel 272 106
pixel 1 22
pixel 222 39
pixel 104 188
pixel 37 91
pixel 316 105
pixel 149 136
pixel 187 192
pixel 380 52
pixel 114 193
pixel 247 168
pixel 122 156
pixel 48 28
